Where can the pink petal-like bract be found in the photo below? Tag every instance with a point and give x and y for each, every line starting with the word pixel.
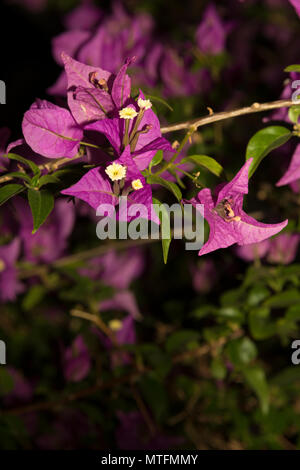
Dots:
pixel 51 131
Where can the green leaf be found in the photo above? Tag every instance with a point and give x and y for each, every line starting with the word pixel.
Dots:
pixel 20 175
pixel 231 313
pixel 294 113
pixel 35 169
pixel 166 184
pixel 256 379
pixel 164 216
pixel 48 179
pixel 292 68
pixel 179 340
pixel 257 294
pixel 260 325
pixel 284 299
pixel 263 142
pixel 155 395
pixel 10 190
pixel 41 204
pixel 218 368
pixel 207 162
pixel 33 297
pixel 241 351
pixel 156 159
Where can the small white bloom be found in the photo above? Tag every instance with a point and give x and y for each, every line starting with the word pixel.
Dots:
pixel 144 104
pixel 137 184
pixel 128 113
pixel 116 171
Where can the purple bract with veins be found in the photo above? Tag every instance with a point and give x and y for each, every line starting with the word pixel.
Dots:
pixel 120 178
pixel 94 93
pixel 228 222
pixel 138 126
pixel 51 131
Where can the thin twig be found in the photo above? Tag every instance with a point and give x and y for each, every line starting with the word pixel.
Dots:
pixel 143 410
pixel 254 108
pixel 198 122
pixel 97 320
pixel 55 404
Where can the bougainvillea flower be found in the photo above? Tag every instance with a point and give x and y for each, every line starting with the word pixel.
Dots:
pixel 137 125
pixel 9 284
pixel 114 269
pixel 204 276
pixel 85 16
pixel 283 249
pixel 50 241
pixel 94 93
pixel 76 361
pixel 120 178
pixel 4 136
pixel 22 391
pixel 282 114
pixel 228 222
pixel 293 172
pixel 296 5
pixel 124 333
pixel 176 76
pixel 211 32
pixel 69 43
pixel 253 251
pixel 119 36
pixel 123 300
pixel 51 130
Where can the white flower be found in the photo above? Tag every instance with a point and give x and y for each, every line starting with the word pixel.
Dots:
pixel 137 184
pixel 116 171
pixel 128 113
pixel 144 104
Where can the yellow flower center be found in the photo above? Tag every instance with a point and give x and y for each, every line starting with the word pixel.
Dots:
pixel 115 324
pixel 2 265
pixel 137 184
pixel 116 171
pixel 144 104
pixel 128 113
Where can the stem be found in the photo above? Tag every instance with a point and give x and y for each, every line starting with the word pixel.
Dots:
pixel 90 145
pixel 184 172
pixel 183 142
pixel 98 322
pixel 254 108
pixel 126 134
